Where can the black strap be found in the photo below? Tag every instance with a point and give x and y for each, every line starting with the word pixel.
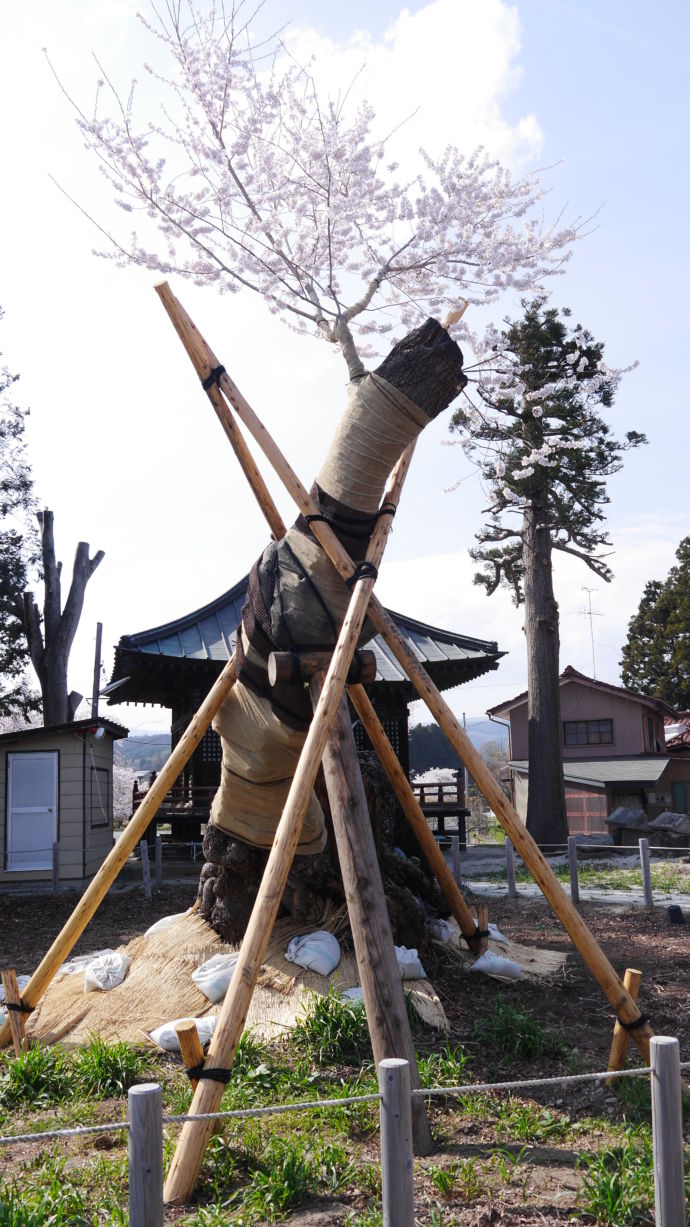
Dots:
pixel 633 1026
pixel 481 933
pixel 363 570
pixel 213 1075
pixel 18 1007
pixel 213 377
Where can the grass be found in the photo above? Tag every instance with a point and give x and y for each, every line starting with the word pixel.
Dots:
pixel 516 1034
pixel 43 1076
pixel 666 877
pixel 332 1031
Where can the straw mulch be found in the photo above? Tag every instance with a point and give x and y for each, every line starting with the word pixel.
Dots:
pixel 159 988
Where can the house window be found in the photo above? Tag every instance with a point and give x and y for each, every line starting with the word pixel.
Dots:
pixel 588 732
pixel 98 797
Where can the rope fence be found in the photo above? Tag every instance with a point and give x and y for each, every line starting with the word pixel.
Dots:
pixel 146 1120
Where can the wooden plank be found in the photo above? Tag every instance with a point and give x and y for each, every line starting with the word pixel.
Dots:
pixel 370 926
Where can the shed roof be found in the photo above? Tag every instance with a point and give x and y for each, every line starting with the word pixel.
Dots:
pixel 599 772
pixel 75 726
pixel 205 639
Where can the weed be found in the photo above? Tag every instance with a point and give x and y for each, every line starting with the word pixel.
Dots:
pixel 372 1217
pixel 38 1077
pixel 618 1182
pixel 283 1181
pixel 527 1122
pixel 462 1176
pixel 104 1069
pixel 332 1030
pixel 506 1161
pixel 636 1099
pixel 516 1034
pixel 444 1068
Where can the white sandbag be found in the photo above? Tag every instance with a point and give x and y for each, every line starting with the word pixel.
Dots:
pixel 164 923
pixel 409 963
pixel 319 952
pixel 353 996
pixel 81 961
pixel 493 965
pixel 442 930
pixel 165 1037
pixel 106 972
pixel 496 935
pixel 214 976
pixel 22 982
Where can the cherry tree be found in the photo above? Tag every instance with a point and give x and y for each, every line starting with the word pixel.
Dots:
pixel 248 178
pixel 531 423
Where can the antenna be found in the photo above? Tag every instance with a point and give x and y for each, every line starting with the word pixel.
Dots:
pixel 591 614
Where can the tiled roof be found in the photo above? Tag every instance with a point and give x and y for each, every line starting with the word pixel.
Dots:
pixel 601 771
pixel 208 635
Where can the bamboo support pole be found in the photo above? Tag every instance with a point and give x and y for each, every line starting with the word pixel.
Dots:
pixel 483 927
pixel 585 942
pixel 619 1043
pixel 188 1157
pixel 15 1016
pixel 370 924
pixel 133 832
pixel 413 811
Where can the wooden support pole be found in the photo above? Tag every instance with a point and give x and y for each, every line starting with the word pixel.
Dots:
pixel 646 872
pixel 145 867
pixel 531 855
pixel 619 1043
pixel 384 999
pixel 510 869
pixel 667 1133
pixel 145 1111
pixel 135 829
pixel 573 870
pixel 186 1163
pixel 483 927
pixel 190 1047
pixel 159 862
pixel 301 666
pixel 56 868
pixel 397 1166
pixel 15 1016
pixel 412 809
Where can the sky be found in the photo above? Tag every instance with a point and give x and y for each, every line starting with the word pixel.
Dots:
pixel 123 445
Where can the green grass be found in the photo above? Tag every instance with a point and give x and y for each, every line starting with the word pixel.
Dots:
pixel 46 1075
pixel 618 1182
pixel 332 1031
pixel 516 1033
pixel 666 877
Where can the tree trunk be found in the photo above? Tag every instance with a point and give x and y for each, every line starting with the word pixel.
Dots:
pixel 50 645
pixel 546 814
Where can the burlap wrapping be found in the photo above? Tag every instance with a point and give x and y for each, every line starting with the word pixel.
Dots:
pixel 298 600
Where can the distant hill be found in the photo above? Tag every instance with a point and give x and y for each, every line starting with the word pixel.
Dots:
pixel 145 752
pixel 429 748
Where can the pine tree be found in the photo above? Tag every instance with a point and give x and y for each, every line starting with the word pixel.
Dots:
pixel 18 551
pixel 545 452
pixel 656 657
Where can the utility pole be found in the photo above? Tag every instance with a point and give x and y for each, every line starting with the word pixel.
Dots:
pixel 96 672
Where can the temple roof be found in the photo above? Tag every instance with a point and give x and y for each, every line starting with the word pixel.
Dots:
pixel 154 666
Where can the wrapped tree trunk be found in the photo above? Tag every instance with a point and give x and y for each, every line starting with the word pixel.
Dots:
pixel 296 601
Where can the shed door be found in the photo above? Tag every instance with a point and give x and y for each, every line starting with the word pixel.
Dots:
pixel 31 810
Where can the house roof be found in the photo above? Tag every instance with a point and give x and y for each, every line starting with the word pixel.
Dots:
pixel 75 726
pixel 571 675
pixel 600 772
pixel 205 639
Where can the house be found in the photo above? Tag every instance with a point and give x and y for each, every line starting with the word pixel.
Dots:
pixel 56 786
pixel 176 664
pixel 614 753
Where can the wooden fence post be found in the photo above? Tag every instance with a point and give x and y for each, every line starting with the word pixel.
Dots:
pixel 619 1043
pixel 510 869
pixel 646 873
pixel 16 1016
pixel 159 862
pixel 56 869
pixel 667 1132
pixel 455 854
pixel 145 1111
pixel 145 869
pixel 572 866
pixel 397 1168
pixel 483 926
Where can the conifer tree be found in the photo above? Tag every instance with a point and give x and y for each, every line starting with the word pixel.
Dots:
pixel 656 657
pixel 534 429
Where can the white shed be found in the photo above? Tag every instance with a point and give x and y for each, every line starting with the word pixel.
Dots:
pixel 56 786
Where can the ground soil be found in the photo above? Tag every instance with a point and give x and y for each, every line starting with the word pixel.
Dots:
pixel 571 1004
